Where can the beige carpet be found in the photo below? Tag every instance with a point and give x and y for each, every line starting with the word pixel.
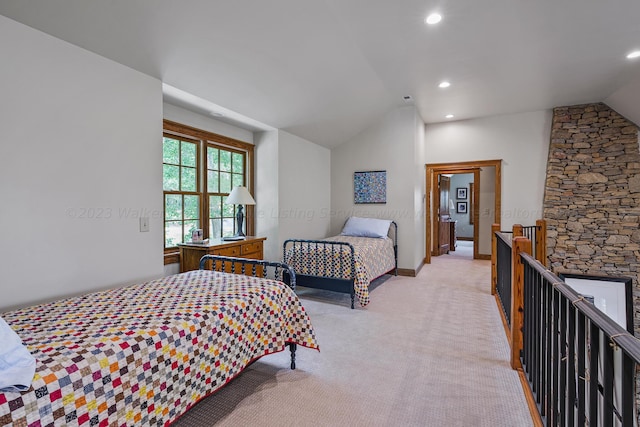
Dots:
pixel 427 351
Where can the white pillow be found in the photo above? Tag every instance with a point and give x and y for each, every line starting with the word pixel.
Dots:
pixel 17 365
pixel 366 227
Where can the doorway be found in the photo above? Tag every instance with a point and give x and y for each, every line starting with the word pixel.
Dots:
pixel 483 203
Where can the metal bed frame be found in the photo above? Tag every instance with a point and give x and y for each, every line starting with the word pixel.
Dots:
pixel 259 268
pixel 332 281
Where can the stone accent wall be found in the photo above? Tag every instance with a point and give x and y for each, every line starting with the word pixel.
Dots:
pixel 592 197
pixel 592 194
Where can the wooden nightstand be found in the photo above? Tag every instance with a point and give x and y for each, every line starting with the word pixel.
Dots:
pixel 190 254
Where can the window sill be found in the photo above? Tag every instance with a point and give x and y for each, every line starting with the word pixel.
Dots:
pixel 171 256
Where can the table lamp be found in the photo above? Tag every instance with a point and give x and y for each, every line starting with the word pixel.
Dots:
pixel 240 196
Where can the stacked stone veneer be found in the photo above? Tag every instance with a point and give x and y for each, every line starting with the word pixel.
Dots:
pixel 592 194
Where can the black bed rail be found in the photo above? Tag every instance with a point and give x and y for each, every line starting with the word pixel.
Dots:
pixel 258 268
pixel 579 363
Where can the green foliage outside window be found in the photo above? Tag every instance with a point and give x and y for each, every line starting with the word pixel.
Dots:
pixel 224 170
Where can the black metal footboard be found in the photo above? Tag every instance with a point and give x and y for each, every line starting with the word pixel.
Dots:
pixel 323 264
pixel 255 268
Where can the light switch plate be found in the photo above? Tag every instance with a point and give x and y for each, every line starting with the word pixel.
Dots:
pixel 144 223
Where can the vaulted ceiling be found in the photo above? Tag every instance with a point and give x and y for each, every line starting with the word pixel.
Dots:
pixel 327 69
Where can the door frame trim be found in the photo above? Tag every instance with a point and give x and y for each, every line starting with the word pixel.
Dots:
pixel 432 173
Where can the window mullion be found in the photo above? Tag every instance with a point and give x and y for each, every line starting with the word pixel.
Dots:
pixel 202 189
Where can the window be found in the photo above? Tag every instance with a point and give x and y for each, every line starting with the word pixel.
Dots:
pixel 180 184
pixel 199 171
pixel 225 170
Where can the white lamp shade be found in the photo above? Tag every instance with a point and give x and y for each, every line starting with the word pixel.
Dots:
pixel 240 196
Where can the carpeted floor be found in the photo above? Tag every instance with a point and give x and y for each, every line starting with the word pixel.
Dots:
pixel 427 351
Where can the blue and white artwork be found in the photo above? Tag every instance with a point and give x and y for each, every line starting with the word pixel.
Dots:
pixel 370 187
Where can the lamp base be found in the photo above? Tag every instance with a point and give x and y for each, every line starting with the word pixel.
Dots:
pixel 239 220
pixel 233 238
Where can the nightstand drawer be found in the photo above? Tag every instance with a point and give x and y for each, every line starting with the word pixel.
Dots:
pixel 190 254
pixel 234 251
pixel 251 248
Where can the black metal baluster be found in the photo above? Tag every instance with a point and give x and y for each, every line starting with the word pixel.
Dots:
pixel 548 350
pixel 571 367
pixel 608 408
pixel 524 355
pixel 562 360
pixel 582 372
pixel 628 411
pixel 594 352
pixel 555 357
pixel 539 338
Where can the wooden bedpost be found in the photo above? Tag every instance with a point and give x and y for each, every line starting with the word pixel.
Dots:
pixel 292 349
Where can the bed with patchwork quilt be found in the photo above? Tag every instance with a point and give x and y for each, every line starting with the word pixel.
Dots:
pixel 365 250
pixel 144 354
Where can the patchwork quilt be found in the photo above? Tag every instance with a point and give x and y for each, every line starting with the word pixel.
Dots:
pixel 144 354
pixel 373 258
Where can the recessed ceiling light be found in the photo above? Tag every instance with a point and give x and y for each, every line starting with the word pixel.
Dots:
pixel 434 18
pixel 449 116
pixel 634 54
pixel 444 84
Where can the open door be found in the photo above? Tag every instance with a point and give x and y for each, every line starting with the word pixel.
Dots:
pixel 444 234
pixel 486 199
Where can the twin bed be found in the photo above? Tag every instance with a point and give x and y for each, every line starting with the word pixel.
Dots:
pixel 366 249
pixel 144 354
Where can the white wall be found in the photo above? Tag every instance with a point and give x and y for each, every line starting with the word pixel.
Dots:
pixel 520 140
pixel 80 161
pixel 293 190
pixel 625 101
pixel 304 190
pixel 420 184
pixel 388 145
pixel 267 192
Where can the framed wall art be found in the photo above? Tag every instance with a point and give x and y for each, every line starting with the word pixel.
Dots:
pixel 370 187
pixel 612 295
pixel 461 207
pixel 461 193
